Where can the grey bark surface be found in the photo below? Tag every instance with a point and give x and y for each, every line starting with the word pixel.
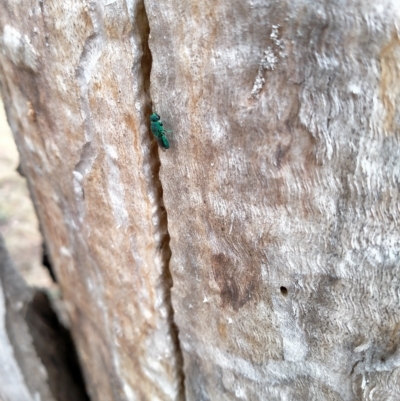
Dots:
pixel 37 359
pixel 274 213
pixel 14 384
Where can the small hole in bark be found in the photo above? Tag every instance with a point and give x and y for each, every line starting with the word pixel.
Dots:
pixel 284 291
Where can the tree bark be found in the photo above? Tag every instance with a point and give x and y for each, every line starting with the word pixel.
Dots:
pixel 274 213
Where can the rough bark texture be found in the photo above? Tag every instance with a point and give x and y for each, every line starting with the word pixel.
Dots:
pixel 281 191
pixel 74 77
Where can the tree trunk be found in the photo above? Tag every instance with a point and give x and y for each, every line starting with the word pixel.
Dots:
pixel 259 257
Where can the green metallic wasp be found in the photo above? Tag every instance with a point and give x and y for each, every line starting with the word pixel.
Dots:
pixel 158 130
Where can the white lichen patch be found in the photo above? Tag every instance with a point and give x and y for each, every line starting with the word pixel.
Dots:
pixel 280 48
pixel 78 186
pixel 18 48
pixel 268 61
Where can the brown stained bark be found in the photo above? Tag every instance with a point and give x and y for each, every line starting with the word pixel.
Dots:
pixel 280 191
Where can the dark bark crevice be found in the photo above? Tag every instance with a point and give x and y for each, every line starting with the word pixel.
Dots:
pixel 39 341
pixel 55 347
pixel 142 27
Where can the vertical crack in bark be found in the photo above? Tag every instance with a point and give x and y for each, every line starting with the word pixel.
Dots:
pixel 141 24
